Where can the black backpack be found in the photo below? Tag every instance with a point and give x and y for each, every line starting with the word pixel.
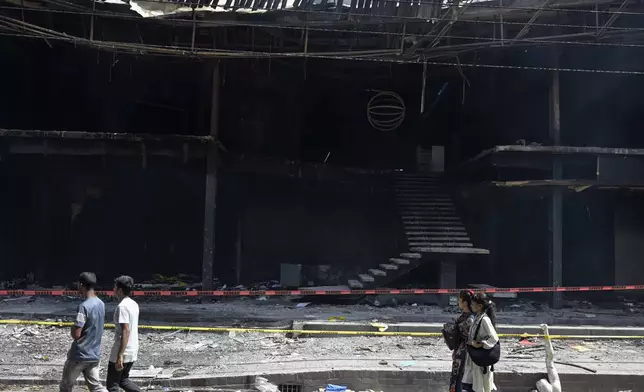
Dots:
pixel 451 336
pixel 482 356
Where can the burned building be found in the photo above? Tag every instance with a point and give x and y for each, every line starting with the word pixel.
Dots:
pixel 474 142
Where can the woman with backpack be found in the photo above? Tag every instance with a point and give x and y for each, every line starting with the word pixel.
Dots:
pixel 458 333
pixel 483 348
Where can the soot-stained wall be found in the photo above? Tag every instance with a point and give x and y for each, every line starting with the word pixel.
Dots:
pixel 62 215
pixel 309 222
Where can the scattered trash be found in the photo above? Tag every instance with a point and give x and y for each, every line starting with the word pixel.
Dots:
pixel 406 364
pixel 201 345
pixel 150 372
pixel 302 305
pixel 577 366
pixel 526 342
pixel 383 363
pixel 581 349
pixel 337 318
pixel 180 373
pixel 171 334
pixel 233 336
pixel 262 385
pixel 262 298
pixel 20 299
pixel 42 357
pixel 400 346
pixel 382 327
pixel 335 388
pixel 171 362
pixel 590 315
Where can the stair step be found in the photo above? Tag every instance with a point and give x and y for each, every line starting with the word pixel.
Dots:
pixel 418 175
pixel 418 181
pixel 430 215
pixel 414 190
pixel 438 239
pixel 444 207
pixel 366 278
pixel 411 255
pixel 413 224
pixel 377 272
pixel 441 244
pixel 444 229
pixel 448 220
pixel 422 199
pixel 389 267
pixel 452 250
pixel 451 233
pixel 399 261
pixel 441 206
pixel 355 284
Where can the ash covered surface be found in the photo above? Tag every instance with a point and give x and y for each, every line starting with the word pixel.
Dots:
pixel 40 352
pixel 279 312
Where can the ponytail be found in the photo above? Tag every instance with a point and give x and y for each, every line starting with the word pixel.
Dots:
pixel 489 308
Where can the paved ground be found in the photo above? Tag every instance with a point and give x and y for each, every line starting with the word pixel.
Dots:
pixel 40 352
pixel 281 311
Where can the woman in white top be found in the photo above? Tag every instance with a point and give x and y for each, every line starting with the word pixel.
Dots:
pixel 476 378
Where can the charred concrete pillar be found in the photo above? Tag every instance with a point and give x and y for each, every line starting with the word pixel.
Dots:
pixel 556 201
pixel 447 278
pixel 210 196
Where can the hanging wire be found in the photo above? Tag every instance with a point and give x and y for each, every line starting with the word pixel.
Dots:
pixel 202 23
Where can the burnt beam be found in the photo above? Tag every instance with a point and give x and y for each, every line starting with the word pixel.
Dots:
pixel 99 148
pixel 556 202
pixel 106 136
pixel 210 194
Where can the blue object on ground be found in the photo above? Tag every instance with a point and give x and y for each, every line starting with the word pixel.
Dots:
pixel 335 388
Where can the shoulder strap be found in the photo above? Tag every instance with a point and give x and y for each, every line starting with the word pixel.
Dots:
pixel 478 327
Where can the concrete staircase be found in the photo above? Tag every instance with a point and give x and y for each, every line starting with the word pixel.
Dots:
pixel 432 227
pixel 429 216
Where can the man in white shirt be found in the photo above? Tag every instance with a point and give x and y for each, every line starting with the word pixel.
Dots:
pixel 126 338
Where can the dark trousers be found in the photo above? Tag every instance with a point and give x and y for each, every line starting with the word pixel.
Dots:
pixel 120 378
pixel 458 366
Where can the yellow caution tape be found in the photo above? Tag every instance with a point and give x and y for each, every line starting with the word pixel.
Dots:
pixel 316 332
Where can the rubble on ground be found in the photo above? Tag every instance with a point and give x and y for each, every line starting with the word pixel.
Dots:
pixel 40 351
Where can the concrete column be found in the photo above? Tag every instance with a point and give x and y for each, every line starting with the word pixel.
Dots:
pixel 210 197
pixel 447 279
pixel 556 202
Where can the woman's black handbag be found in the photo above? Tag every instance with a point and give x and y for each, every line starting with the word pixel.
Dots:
pixel 451 336
pixel 482 356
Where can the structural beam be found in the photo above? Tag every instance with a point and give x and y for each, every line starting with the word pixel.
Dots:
pixel 612 19
pixel 526 28
pixel 210 196
pixel 556 202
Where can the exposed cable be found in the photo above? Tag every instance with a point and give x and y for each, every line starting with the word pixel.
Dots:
pixel 544 39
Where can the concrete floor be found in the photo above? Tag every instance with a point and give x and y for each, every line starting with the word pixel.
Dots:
pixel 280 312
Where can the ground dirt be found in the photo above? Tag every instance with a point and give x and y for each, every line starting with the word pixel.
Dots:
pixel 35 351
pixel 281 311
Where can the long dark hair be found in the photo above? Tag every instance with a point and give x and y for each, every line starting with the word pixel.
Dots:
pixel 488 306
pixel 466 296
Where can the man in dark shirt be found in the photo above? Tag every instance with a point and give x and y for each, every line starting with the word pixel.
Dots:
pixel 85 353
